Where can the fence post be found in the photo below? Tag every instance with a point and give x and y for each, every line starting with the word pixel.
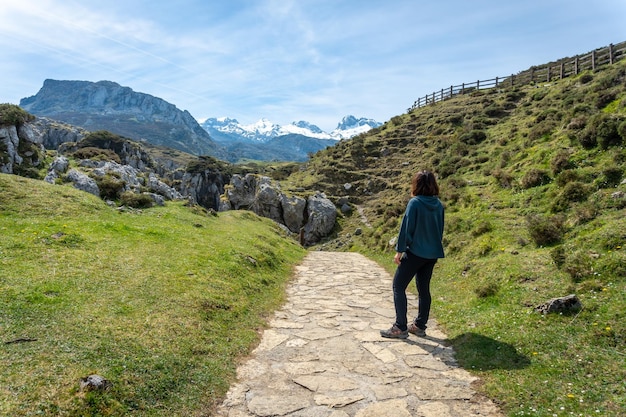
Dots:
pixel 433 98
pixel 512 79
pixel 576 66
pixel 478 85
pixel 451 89
pixel 593 60
pixel 562 70
pixel 463 88
pixel 548 80
pixel 611 53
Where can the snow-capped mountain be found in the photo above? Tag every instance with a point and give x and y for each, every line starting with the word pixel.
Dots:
pixel 350 126
pixel 225 129
pixel 267 141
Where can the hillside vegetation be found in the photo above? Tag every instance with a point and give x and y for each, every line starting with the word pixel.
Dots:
pixel 533 180
pixel 161 302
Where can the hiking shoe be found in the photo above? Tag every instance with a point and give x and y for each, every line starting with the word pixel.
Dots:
pixel 394 333
pixel 413 329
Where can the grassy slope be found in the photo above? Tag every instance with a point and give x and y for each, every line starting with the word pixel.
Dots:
pixel 495 273
pixel 161 302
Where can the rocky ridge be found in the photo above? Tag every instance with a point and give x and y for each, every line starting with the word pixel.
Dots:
pixel 118 165
pixel 106 105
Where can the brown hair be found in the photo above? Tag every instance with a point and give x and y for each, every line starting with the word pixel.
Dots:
pixel 424 183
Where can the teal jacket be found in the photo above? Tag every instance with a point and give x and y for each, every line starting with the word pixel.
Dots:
pixel 421 231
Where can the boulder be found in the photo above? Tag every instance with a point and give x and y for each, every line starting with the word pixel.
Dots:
pixel 293 212
pixel 567 304
pixel 321 220
pixel 83 182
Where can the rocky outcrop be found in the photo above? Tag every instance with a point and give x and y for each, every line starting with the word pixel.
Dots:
pixel 204 188
pixel 321 220
pixel 83 182
pixel 21 149
pixel 106 105
pixel 53 133
pixel 568 304
pixel 313 217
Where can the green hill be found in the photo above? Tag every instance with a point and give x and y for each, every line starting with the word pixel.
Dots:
pixel 158 301
pixel 533 180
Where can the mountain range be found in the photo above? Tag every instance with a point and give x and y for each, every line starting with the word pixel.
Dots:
pixel 225 129
pixel 105 105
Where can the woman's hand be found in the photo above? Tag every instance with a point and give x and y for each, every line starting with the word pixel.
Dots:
pixel 398 258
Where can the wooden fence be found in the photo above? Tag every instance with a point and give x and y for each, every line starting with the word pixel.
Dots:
pixel 557 70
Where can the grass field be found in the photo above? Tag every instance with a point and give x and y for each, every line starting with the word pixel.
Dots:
pixel 161 302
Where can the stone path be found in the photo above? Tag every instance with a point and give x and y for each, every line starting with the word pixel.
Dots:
pixel 323 355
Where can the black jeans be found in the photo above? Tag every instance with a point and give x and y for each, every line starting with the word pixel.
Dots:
pixel 422 269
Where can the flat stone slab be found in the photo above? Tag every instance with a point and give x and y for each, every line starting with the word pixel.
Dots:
pixel 323 355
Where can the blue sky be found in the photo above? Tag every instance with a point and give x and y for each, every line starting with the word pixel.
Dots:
pixel 291 60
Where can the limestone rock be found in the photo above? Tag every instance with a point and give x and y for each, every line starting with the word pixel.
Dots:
pixel 567 304
pixel 94 383
pixel 321 220
pixel 82 182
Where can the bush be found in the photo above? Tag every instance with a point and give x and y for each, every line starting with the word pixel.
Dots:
pixel 10 114
pixel 611 177
pixel 504 179
pixel 545 230
pixel 473 137
pixel 572 192
pixel 579 265
pixel 601 129
pixel 111 186
pixel 131 199
pixel 542 130
pixel 96 154
pixel 558 256
pixel 561 162
pixel 535 178
pixel 586 78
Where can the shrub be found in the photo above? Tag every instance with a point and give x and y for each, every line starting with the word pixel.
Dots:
pixel 535 178
pixel 545 230
pixel 542 130
pixel 561 162
pixel 603 129
pixel 577 123
pixel 579 265
pixel 96 154
pixel 111 186
pixel 130 199
pixel 504 179
pixel 604 99
pixel 473 137
pixel 558 256
pixel 611 177
pixel 572 192
pixel 10 114
pixel 607 132
pixel 584 213
pixel 495 110
pixel 586 78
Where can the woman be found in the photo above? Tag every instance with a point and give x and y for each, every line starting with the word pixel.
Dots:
pixel 417 250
